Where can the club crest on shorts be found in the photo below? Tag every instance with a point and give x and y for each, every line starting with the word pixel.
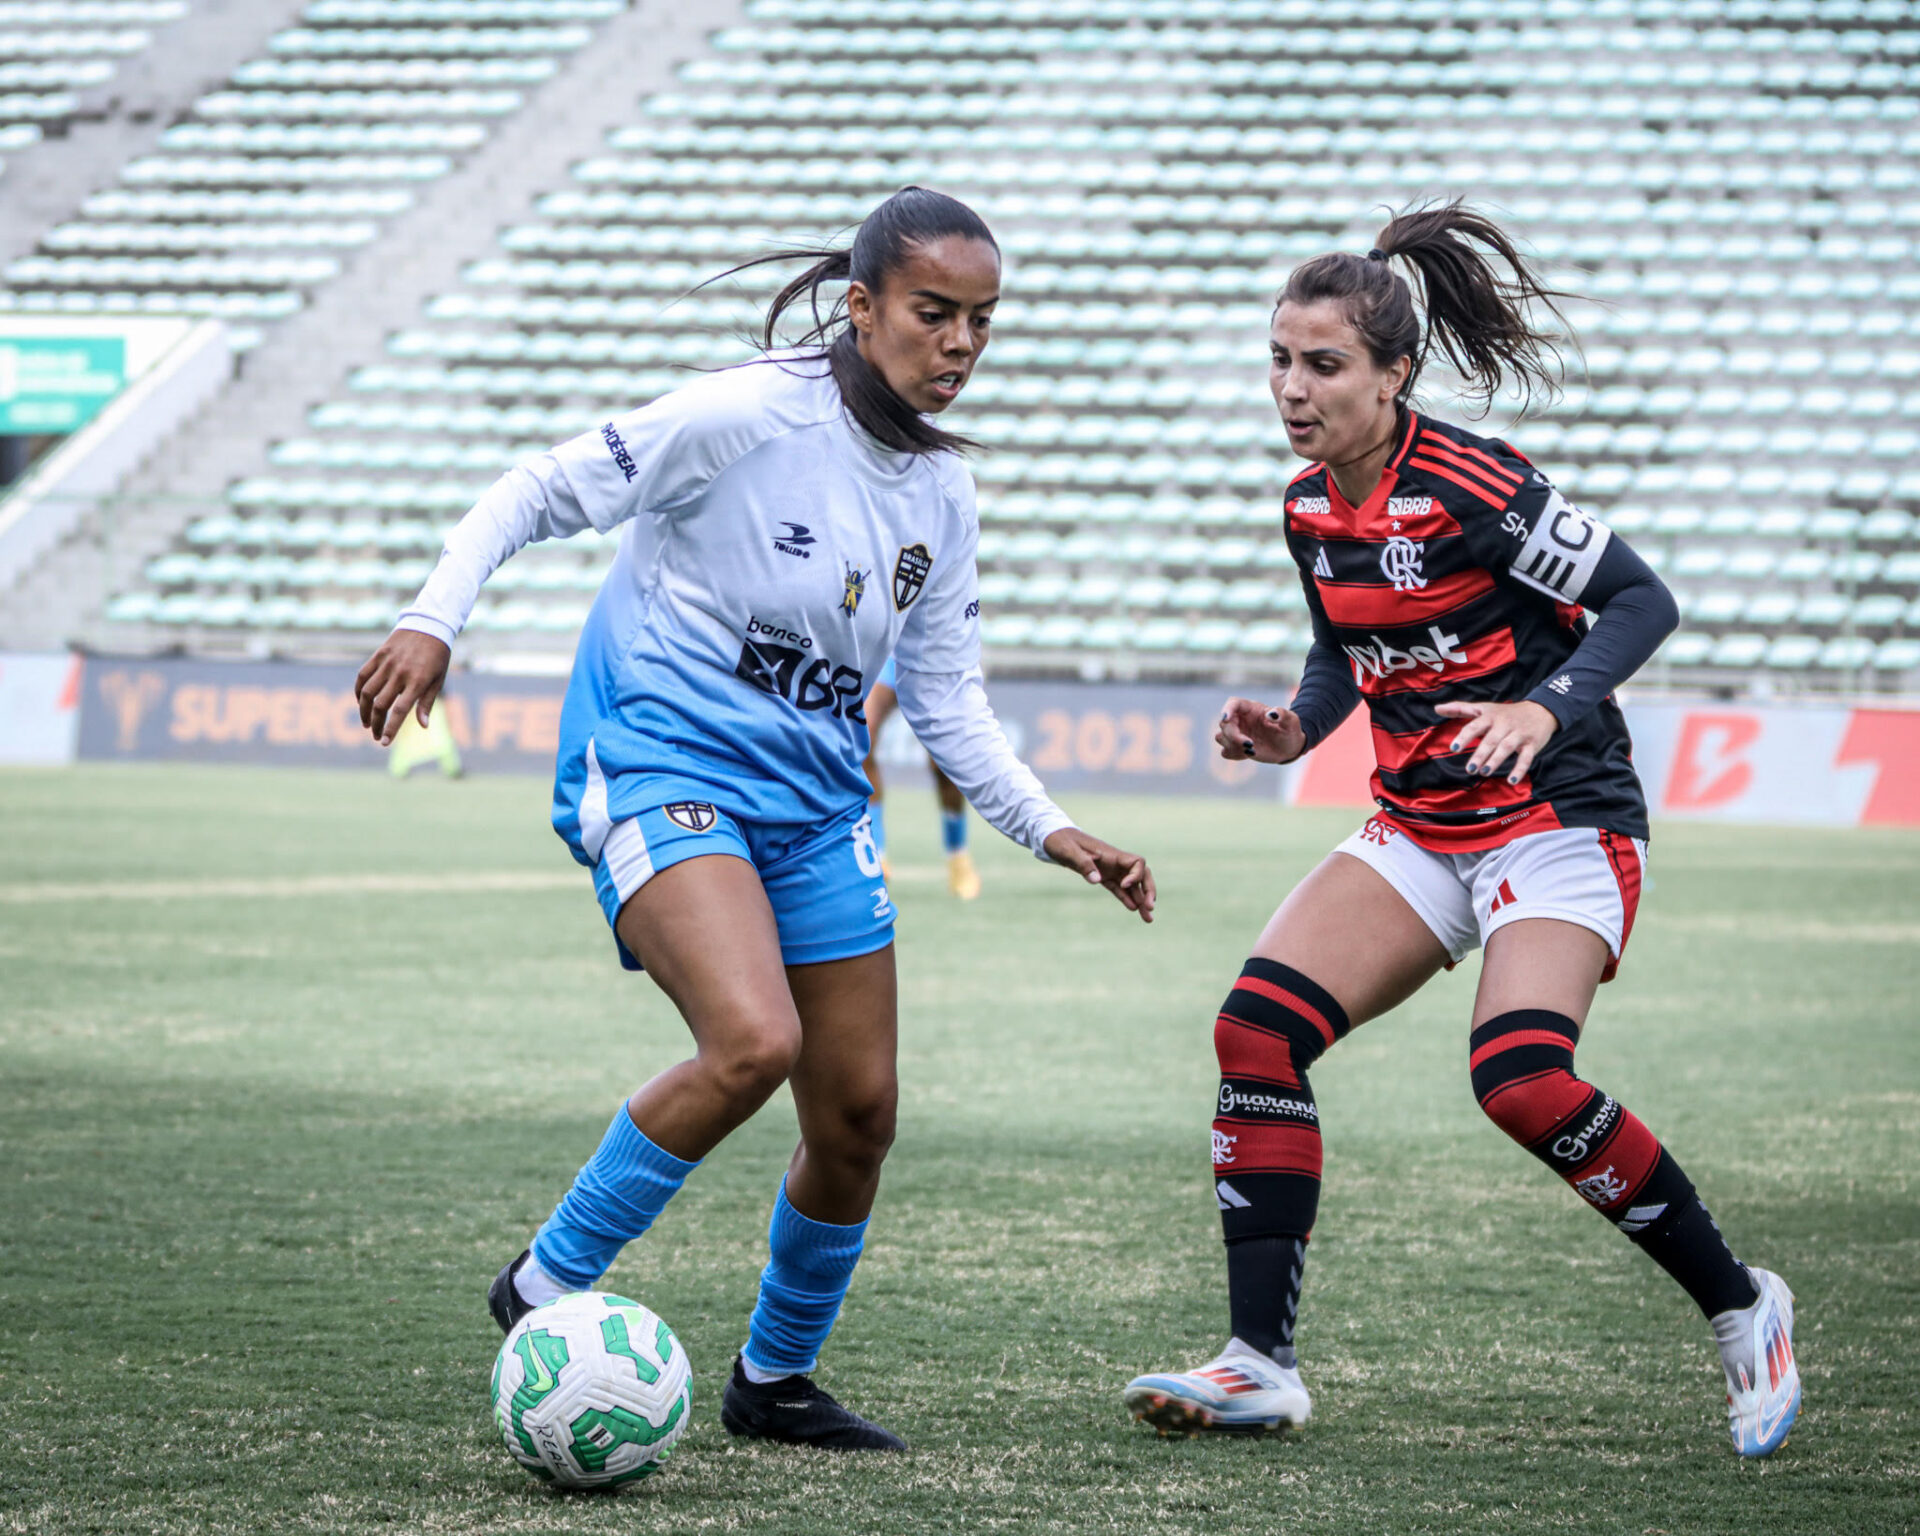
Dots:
pixel 694 815
pixel 910 574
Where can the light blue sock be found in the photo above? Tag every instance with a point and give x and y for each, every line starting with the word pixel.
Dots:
pixel 953 831
pixel 877 818
pixel 801 1289
pixel 624 1186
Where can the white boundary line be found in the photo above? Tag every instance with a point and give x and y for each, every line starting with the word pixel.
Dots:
pixel 482 882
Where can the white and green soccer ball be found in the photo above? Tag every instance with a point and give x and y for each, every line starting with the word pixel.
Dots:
pixel 592 1390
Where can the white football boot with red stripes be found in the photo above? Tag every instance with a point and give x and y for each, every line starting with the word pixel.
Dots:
pixel 1240 1390
pixel 1763 1383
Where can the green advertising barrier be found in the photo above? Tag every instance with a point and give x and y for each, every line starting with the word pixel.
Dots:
pixel 57 384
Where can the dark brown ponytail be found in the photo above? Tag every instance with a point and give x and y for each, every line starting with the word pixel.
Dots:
pixel 912 217
pixel 1479 318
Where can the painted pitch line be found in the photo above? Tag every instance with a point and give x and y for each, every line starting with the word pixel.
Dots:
pixel 1765 928
pixel 473 883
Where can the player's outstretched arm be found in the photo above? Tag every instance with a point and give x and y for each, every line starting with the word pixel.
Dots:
pixel 406 673
pixel 1125 874
pixel 1266 735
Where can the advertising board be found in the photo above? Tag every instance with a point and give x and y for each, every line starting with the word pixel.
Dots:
pixel 1830 765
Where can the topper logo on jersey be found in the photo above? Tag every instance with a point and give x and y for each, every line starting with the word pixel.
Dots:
pixel 786 671
pixel 1382 660
pixel 1400 563
pixel 910 574
pixel 796 535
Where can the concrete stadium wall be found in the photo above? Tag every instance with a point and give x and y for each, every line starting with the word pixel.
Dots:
pixel 39 708
pixel 173 368
pixel 1778 763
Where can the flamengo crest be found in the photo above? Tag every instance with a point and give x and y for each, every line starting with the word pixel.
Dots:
pixel 910 574
pixel 1400 563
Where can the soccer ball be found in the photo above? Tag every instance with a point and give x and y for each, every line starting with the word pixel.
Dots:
pixel 591 1390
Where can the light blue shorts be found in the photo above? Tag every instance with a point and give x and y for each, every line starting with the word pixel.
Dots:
pixel 829 898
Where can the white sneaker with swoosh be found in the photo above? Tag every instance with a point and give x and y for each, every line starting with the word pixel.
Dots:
pixel 1239 1390
pixel 1763 1382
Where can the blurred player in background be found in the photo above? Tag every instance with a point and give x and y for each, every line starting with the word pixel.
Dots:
pixel 962 878
pixel 788 526
pixel 1445 578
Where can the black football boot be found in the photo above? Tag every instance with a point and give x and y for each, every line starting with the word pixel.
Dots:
pixel 503 1297
pixel 794 1411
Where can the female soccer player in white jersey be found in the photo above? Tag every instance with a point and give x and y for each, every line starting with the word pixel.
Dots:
pixel 1445 579
pixel 788 525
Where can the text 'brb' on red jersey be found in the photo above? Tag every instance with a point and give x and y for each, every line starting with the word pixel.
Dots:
pixel 1460 578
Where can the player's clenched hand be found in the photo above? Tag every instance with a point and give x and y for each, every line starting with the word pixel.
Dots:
pixel 1250 730
pixel 1125 874
pixel 1518 731
pixel 407 672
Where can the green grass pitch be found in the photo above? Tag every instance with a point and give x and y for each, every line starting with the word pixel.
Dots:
pixel 290 1063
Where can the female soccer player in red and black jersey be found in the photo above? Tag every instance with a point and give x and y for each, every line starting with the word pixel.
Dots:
pixel 1446 581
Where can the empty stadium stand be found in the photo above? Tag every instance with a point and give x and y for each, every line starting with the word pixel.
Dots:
pixel 271 183
pixel 55 54
pixel 1734 183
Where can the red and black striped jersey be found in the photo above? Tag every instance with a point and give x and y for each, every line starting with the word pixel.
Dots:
pixel 1459 578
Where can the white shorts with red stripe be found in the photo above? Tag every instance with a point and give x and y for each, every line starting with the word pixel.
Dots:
pixel 1582 875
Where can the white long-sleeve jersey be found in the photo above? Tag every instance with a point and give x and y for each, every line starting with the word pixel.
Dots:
pixel 771 558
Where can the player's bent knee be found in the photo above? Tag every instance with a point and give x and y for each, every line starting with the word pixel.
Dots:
pixel 1522 1066
pixel 1266 1128
pixel 859 1133
pixel 1275 1020
pixel 748 1068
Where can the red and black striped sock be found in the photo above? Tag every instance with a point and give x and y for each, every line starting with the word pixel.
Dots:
pixel 1522 1064
pixel 1266 1143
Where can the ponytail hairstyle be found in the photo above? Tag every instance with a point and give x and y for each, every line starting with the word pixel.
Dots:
pixel 912 217
pixel 1478 317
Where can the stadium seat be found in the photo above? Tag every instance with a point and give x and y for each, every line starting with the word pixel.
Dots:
pixel 1748 407
pixel 306 151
